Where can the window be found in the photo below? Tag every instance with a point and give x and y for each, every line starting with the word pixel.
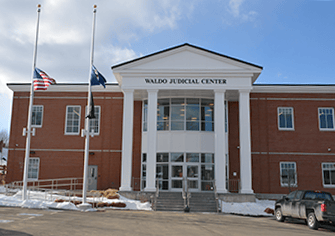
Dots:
pixel 95 123
pixel 37 116
pixel 326 118
pixel 145 115
pixel 192 114
pixel 207 171
pixel 285 118
pixel 328 174
pixel 72 123
pixel 33 168
pixel 207 115
pixel 162 170
pixel 163 113
pixel 288 174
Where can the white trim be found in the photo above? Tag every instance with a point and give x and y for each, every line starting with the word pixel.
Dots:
pixel 292 114
pixel 38 126
pixel 65 88
pixel 323 181
pixel 295 174
pixel 326 129
pixel 38 167
pixel 64 150
pixel 67 133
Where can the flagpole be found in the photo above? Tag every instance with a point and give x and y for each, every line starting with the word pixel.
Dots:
pixel 87 120
pixel 27 132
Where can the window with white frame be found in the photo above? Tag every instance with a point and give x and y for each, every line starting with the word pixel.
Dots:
pixel 328 174
pixel 72 123
pixel 33 168
pixel 37 116
pixel 285 118
pixel 194 114
pixel 95 123
pixel 326 118
pixel 288 174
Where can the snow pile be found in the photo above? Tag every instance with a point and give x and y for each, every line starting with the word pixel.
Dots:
pixel 42 200
pixel 248 208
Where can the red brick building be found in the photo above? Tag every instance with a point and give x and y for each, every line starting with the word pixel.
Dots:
pixel 184 112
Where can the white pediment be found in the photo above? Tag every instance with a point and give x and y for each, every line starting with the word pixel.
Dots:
pixel 186 58
pixel 186 61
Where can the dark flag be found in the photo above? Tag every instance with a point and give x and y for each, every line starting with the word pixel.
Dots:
pixel 91 114
pixel 97 78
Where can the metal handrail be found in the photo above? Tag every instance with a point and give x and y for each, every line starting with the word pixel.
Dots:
pixel 186 194
pixel 69 185
pixel 216 197
pixel 156 194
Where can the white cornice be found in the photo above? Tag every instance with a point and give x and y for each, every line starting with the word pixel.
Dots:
pixel 66 88
pixel 293 89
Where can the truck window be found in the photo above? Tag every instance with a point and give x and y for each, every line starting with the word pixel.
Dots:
pixel 299 195
pixel 318 196
pixel 291 195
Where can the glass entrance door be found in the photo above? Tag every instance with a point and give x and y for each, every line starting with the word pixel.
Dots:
pixel 184 168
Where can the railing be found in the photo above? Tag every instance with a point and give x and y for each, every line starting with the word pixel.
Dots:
pixel 64 186
pixel 186 194
pixel 216 195
pixel 156 194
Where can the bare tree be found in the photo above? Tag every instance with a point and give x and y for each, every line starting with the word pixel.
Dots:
pixel 4 136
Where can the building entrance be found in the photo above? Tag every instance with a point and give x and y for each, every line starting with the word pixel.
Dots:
pixel 194 170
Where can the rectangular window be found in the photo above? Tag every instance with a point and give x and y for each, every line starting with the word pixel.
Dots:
pixel 285 118
pixel 192 113
pixel 326 118
pixel 328 174
pixel 207 114
pixel 37 116
pixel 288 174
pixel 145 115
pixel 95 123
pixel 72 122
pixel 163 114
pixel 33 168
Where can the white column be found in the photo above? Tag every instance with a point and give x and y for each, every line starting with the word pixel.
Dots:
pixel 127 140
pixel 151 135
pixel 245 142
pixel 220 141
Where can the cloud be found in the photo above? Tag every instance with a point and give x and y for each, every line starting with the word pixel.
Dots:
pixel 236 8
pixel 65 35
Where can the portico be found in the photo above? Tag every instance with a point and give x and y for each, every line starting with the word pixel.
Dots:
pixel 184 92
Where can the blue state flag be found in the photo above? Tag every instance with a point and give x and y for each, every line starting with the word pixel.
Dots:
pixel 97 78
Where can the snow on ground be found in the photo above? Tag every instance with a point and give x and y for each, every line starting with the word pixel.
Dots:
pixel 248 208
pixel 43 200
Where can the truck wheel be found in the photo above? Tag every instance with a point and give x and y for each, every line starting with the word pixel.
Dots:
pixel 279 215
pixel 312 222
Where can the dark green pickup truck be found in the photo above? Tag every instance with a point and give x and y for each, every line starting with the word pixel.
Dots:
pixel 315 207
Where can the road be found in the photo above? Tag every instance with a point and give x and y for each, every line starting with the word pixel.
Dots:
pixel 24 222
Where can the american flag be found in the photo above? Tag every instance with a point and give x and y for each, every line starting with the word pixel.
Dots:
pixel 42 80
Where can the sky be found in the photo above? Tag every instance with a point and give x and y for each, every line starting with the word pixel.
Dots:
pixel 293 40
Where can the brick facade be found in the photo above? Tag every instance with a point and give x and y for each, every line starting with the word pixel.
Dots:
pixel 63 155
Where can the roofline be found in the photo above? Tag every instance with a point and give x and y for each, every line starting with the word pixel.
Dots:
pixel 179 46
pixel 85 84
pixel 305 85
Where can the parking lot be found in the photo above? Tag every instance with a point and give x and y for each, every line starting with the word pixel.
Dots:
pixel 19 221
